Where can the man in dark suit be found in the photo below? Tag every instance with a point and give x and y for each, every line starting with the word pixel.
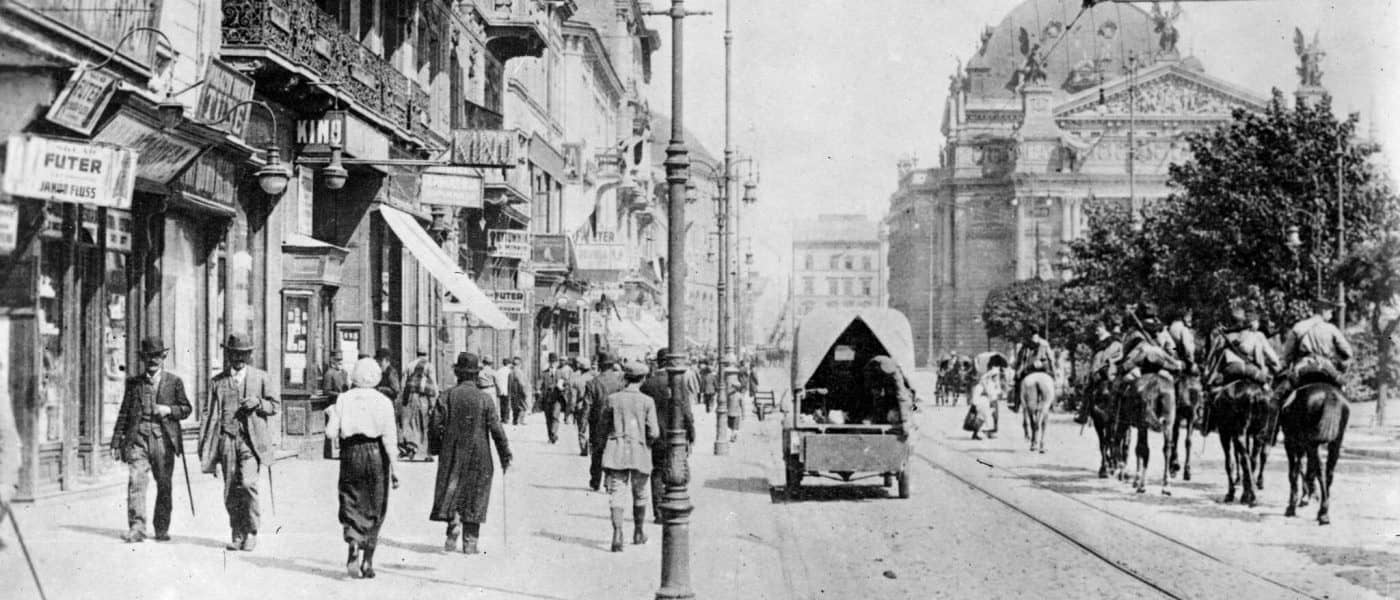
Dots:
pixel 235 435
pixel 658 386
pixel 147 437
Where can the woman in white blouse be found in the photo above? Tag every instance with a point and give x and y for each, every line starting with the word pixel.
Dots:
pixel 363 420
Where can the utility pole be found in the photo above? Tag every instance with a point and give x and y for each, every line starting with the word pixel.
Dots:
pixel 675 501
pixel 726 351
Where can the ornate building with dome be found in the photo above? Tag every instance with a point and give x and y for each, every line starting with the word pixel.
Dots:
pixel 1038 126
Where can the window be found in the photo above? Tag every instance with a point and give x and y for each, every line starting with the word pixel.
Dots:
pixel 835 262
pixel 832 286
pixel 808 260
pixel 807 284
pixel 850 263
pixel 865 287
pixel 865 263
pixel 847 286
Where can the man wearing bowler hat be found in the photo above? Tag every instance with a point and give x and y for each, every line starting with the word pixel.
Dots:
pixel 235 435
pixel 147 438
pixel 468 424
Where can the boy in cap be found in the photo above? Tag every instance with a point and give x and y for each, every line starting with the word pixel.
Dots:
pixel 629 428
pixel 147 437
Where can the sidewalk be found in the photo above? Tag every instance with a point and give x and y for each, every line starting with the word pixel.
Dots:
pixel 558 534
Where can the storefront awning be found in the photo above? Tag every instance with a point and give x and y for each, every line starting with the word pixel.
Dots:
pixel 443 268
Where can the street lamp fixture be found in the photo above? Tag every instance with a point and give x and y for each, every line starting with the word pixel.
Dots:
pixel 334 174
pixel 170 110
pixel 750 192
pixel 274 175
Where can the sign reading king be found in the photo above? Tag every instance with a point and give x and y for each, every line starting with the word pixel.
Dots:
pixel 62 171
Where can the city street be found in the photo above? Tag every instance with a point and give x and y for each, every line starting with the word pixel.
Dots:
pixel 987 519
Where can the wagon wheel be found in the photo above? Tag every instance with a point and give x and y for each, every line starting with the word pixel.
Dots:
pixel 903 483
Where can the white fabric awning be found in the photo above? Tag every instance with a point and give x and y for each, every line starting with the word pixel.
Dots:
pixel 443 268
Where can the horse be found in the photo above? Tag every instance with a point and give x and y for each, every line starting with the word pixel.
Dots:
pixel 1239 414
pixel 1107 412
pixel 1152 399
pixel 1318 415
pixel 1188 401
pixel 1037 394
pixel 1266 435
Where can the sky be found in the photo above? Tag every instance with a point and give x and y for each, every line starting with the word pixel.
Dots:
pixel 829 94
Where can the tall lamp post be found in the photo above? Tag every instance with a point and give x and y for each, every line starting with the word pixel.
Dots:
pixel 675 501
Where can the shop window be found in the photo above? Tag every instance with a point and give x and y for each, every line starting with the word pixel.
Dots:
pixel 296 332
pixel 54 379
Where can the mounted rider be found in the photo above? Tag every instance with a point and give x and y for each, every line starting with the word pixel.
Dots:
pixel 1148 350
pixel 1242 353
pixel 1315 350
pixel 1103 368
pixel 1033 356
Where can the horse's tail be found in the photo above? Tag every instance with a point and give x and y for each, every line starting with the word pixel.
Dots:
pixel 1333 420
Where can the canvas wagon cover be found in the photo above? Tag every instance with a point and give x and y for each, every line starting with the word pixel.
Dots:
pixel 817 333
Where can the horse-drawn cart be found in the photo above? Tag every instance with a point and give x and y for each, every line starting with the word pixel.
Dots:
pixel 834 427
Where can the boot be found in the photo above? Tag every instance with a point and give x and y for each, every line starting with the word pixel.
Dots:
pixel 617 519
pixel 472 532
pixel 352 561
pixel 451 543
pixel 235 541
pixel 250 541
pixel 639 519
pixel 367 567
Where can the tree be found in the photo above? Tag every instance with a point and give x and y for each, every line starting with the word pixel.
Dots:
pixel 1374 269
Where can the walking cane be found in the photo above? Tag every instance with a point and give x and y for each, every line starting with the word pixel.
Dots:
pixel 189 491
pixel 25 547
pixel 505 515
pixel 271 489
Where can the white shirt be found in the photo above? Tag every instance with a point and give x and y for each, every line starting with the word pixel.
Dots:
pixel 364 411
pixel 239 376
pixel 503 380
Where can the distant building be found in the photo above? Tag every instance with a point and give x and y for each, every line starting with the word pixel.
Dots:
pixel 837 262
pixel 1024 159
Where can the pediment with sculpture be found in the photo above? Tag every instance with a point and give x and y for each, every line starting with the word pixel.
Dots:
pixel 1169 92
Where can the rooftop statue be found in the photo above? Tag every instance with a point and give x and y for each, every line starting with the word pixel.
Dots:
pixel 1164 24
pixel 1310 59
pixel 1033 71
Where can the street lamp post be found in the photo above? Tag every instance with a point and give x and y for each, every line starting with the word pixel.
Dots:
pixel 675 504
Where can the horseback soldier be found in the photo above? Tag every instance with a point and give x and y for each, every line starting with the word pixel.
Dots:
pixel 1242 353
pixel 1034 356
pixel 1148 350
pixel 1103 368
pixel 1315 350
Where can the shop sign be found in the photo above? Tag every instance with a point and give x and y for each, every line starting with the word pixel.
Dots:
pixel 601 257
pixel 224 88
pixel 451 186
pixel 162 156
pixel 550 252
pixel 509 243
pixel 511 302
pixel 494 148
pixel 213 177
pixel 318 135
pixel 81 102
pixel 9 228
pixel 62 171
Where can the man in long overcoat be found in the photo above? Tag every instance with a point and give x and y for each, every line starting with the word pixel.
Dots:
pixel 467 423
pixel 607 382
pixel 658 386
pixel 234 436
pixel 578 386
pixel 147 438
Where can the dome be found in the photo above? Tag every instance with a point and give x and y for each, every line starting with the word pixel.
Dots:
pixel 1098 43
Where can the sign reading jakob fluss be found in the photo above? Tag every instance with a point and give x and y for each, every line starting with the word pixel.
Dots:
pixel 62 171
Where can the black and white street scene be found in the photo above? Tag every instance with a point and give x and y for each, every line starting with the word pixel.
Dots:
pixel 720 299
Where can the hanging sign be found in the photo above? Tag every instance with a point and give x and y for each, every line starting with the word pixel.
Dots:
pixel 9 228
pixel 316 136
pixel 224 87
pixel 451 186
pixel 162 156
pixel 62 171
pixel 81 102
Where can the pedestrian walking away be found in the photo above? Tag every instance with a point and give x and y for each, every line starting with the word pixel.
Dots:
pixel 363 420
pixel 578 386
pixel 630 428
pixel 147 438
pixel 708 386
pixel 467 425
pixel 420 393
pixel 658 387
pixel 604 384
pixel 502 387
pixel 519 392
pixel 551 394
pixel 234 437
pixel 391 382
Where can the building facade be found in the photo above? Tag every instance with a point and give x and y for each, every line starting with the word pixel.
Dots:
pixel 837 263
pixel 1031 143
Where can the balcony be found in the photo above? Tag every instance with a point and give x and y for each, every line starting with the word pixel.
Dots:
pixel 516 28
pixel 296 37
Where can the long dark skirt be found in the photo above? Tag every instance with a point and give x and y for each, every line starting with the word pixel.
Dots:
pixel 364 488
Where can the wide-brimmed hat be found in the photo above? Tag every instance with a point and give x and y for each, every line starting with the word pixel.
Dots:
pixel 239 342
pixel 466 361
pixel 553 356
pixel 152 345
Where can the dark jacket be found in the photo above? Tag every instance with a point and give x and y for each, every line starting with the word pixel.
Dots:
pixel 391 383
pixel 170 391
pixel 221 391
pixel 467 422
pixel 596 394
pixel 658 386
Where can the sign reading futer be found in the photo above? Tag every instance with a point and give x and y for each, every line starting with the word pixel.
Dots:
pixel 62 171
